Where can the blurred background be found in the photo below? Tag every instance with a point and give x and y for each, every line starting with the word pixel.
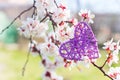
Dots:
pixel 13 47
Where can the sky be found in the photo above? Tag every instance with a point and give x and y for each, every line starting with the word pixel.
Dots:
pixel 98 6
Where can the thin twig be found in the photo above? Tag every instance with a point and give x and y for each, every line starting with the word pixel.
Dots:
pixel 26 62
pixel 105 61
pixel 49 14
pixel 53 22
pixel 101 70
pixel 43 18
pixel 40 55
pixel 16 19
pixel 56 4
pixel 34 10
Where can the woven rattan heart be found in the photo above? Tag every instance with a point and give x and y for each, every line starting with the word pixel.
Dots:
pixel 83 44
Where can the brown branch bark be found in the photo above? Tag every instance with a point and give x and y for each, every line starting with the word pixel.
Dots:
pixel 27 59
pixel 101 69
pixel 56 4
pixel 33 6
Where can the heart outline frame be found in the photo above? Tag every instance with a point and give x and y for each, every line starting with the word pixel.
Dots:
pixel 83 44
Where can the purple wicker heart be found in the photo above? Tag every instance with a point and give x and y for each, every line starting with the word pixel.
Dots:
pixel 83 44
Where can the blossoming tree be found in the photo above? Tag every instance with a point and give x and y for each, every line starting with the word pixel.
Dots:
pixel 68 41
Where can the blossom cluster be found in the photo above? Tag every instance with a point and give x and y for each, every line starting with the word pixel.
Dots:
pixel 54 25
pixel 112 49
pixel 114 73
pixel 61 34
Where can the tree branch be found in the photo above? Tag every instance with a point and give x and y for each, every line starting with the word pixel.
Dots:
pixel 34 9
pixel 33 6
pixel 26 62
pixel 56 4
pixel 43 18
pixel 106 60
pixel 49 14
pixel 101 69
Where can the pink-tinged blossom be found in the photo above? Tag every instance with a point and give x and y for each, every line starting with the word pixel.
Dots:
pixel 51 75
pixel 59 61
pixel 87 15
pixel 44 4
pixel 33 28
pixel 50 67
pixel 52 64
pixel 109 45
pixel 113 49
pixel 69 64
pixel 70 31
pixel 48 49
pixel 32 47
pixel 116 48
pixel 86 61
pixel 60 15
pixel 74 21
pixel 62 7
pixel 112 46
pixel 113 58
pixel 48 63
pixel 72 63
pixel 114 73
pixel 64 32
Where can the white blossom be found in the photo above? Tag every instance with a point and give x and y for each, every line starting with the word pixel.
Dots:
pixel 86 61
pixel 65 32
pixel 116 48
pixel 59 61
pixel 33 28
pixel 44 4
pixel 48 49
pixel 109 45
pixel 61 15
pixel 48 64
pixel 114 73
pixel 86 15
pixel 51 75
pixel 113 58
pixel 113 50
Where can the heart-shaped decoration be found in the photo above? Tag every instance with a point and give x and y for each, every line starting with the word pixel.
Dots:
pixel 83 44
